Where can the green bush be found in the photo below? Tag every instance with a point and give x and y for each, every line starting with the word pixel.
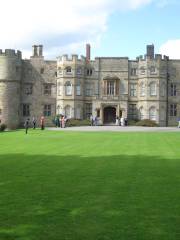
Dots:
pixel 147 123
pixel 3 127
pixel 132 122
pixel 76 122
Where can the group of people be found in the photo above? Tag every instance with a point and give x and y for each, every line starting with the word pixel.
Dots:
pixel 121 121
pixel 28 123
pixel 94 120
pixel 60 121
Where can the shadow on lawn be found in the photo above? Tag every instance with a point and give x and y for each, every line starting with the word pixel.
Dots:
pixel 73 197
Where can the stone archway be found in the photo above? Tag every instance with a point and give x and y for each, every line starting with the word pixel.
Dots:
pixel 109 115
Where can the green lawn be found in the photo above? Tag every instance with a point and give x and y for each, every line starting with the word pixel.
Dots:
pixel 89 186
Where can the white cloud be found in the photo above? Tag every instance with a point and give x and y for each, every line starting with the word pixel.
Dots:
pixel 60 25
pixel 171 48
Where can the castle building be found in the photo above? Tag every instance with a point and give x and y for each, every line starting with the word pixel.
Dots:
pixel 145 88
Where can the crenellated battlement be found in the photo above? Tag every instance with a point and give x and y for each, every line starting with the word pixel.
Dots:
pixel 71 58
pixel 157 57
pixel 11 53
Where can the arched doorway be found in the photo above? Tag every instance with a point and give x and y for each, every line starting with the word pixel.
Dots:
pixel 109 115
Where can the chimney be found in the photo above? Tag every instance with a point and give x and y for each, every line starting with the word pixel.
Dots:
pixel 88 52
pixel 34 51
pixel 40 50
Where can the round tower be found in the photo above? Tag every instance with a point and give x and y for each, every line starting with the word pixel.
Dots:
pixel 10 77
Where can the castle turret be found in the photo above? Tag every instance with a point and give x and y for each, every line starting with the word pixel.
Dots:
pixel 10 76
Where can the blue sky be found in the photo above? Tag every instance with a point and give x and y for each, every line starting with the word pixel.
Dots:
pixel 112 27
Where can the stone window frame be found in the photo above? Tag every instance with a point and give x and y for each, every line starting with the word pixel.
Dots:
pixel 153 88
pixel 132 111
pixel 67 111
pixel 26 110
pixel 133 71
pixel 28 88
pixel 173 89
pixel 173 110
pixel 78 89
pixel 47 110
pixel 88 110
pixel 153 113
pixel 68 70
pixel 133 89
pixel 68 88
pixel 89 71
pixel 47 89
pixel 88 89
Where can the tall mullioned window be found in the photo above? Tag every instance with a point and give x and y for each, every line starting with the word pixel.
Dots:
pixel 152 87
pixel 88 110
pixel 78 89
pixel 173 110
pixel 26 110
pixel 173 90
pixel 132 111
pixel 133 71
pixel 47 110
pixel 47 89
pixel 68 88
pixel 133 90
pixel 111 88
pixel 152 113
pixel 88 89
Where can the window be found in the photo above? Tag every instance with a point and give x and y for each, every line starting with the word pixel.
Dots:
pixel 26 110
pixel 133 71
pixel 142 70
pixel 42 70
pixel 173 90
pixel 68 88
pixel 88 89
pixel 173 110
pixel 79 71
pixel 47 110
pixel 28 89
pixel 142 89
pixel 152 113
pixel 18 69
pixel 152 70
pixel 88 110
pixel 132 111
pixel 78 89
pixel 133 88
pixel 55 74
pixel 68 70
pixel 152 87
pixel 89 72
pixel 67 111
pixel 0 111
pixel 141 113
pixel 47 89
pixel 110 88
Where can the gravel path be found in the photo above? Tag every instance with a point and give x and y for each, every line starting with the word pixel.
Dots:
pixel 118 129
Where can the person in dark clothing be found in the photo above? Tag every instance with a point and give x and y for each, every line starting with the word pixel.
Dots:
pixel 34 123
pixel 26 125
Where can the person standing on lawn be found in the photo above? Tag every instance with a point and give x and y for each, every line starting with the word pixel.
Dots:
pixel 26 125
pixel 42 123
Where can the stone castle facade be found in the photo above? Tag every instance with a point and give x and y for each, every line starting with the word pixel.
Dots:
pixel 145 88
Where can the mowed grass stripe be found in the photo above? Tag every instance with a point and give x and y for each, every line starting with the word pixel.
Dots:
pixel 70 185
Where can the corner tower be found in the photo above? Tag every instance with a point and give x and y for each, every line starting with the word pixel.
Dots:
pixel 10 77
